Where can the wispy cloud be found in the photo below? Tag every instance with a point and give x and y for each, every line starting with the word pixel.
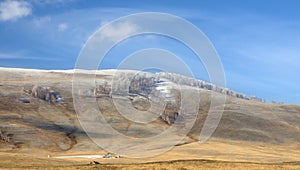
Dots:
pixel 117 31
pixel 47 2
pixel 13 10
pixel 62 27
pixel 10 56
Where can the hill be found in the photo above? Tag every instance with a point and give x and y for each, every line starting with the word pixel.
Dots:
pixel 32 128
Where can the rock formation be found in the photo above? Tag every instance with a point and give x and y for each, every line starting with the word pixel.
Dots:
pixel 160 87
pixel 5 137
pixel 45 93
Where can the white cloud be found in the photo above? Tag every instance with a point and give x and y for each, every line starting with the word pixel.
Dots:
pixel 121 30
pixel 47 2
pixel 62 27
pixel 12 10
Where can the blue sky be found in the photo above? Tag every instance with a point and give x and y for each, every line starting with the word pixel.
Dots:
pixel 258 41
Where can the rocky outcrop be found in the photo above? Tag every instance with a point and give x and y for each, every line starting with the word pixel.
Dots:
pixel 102 90
pixel 5 137
pixel 159 87
pixel 169 117
pixel 183 80
pixel 47 94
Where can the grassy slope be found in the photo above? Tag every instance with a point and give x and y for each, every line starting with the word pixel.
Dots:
pixel 249 131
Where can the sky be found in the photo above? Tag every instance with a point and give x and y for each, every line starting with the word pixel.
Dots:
pixel 257 41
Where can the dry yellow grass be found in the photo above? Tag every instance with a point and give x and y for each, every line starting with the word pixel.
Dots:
pixel 171 165
pixel 263 136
